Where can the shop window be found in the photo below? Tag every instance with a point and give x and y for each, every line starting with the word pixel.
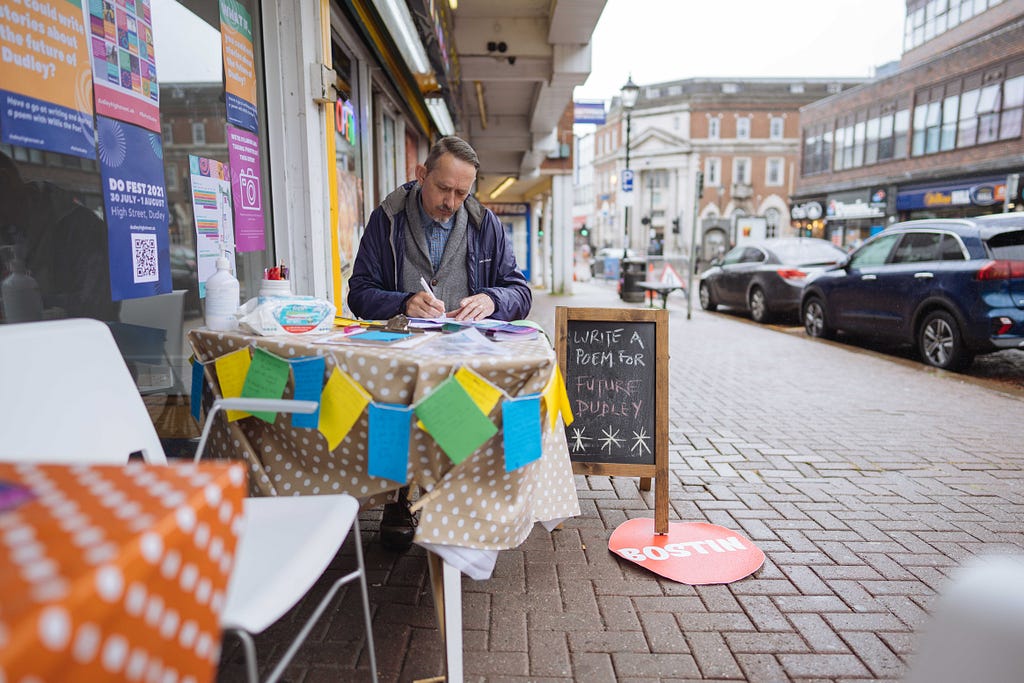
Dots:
pixel 772 218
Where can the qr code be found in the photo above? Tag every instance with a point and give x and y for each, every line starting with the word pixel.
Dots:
pixel 144 263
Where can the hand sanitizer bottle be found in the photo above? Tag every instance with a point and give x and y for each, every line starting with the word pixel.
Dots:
pixel 222 298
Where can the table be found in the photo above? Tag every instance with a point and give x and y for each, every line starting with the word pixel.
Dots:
pixel 664 289
pixel 115 572
pixel 469 511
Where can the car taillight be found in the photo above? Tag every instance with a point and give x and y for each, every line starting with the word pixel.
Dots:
pixel 1001 325
pixel 1002 270
pixel 792 274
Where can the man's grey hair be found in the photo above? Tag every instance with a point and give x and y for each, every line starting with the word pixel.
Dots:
pixel 457 147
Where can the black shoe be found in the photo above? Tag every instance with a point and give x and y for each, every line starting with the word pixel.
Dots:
pixel 397 526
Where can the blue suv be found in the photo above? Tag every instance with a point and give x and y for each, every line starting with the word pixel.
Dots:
pixel 953 288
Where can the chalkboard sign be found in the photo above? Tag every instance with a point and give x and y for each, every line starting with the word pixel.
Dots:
pixel 615 365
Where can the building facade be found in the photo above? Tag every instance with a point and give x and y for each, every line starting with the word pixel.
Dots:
pixel 741 136
pixel 941 136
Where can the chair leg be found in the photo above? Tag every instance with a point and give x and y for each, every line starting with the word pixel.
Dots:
pixel 366 602
pixel 250 655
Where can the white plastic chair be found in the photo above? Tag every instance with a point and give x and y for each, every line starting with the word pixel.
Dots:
pixel 74 367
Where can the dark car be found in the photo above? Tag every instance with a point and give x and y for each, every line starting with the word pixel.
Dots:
pixel 953 288
pixel 766 278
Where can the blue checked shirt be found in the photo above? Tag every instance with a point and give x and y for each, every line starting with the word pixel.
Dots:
pixel 437 237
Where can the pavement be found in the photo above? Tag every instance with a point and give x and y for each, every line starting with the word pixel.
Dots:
pixel 865 481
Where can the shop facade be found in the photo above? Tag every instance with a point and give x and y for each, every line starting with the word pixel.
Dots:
pixel 178 130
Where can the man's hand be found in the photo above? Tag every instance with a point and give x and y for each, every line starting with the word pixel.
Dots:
pixel 476 307
pixel 424 305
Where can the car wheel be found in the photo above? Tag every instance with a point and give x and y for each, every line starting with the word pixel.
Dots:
pixel 758 305
pixel 706 302
pixel 940 343
pixel 815 321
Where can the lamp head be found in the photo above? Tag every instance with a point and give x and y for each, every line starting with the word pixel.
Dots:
pixel 630 92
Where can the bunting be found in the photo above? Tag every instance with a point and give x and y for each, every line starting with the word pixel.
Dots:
pixel 455 414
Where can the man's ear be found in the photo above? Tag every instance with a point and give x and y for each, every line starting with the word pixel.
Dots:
pixel 421 173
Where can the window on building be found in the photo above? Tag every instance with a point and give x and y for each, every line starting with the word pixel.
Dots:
pixel 743 128
pixel 773 172
pixel 713 172
pixel 776 128
pixel 796 88
pixel 858 143
pixel 730 88
pixel 171 177
pixel 1013 102
pixel 198 133
pixel 167 133
pixel 741 170
pixel 871 131
pixel 901 133
pixel 772 219
pixel 714 128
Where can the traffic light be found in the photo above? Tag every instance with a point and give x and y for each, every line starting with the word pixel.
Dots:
pixel 584 230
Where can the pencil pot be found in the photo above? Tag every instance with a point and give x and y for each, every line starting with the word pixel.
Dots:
pixel 270 289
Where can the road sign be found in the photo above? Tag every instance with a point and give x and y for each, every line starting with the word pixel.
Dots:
pixel 627 180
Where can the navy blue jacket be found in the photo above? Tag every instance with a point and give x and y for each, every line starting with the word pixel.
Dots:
pixel 376 290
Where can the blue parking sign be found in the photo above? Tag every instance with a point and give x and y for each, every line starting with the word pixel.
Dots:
pixel 627 180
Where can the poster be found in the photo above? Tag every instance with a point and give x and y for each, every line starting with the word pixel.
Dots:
pixel 45 83
pixel 132 172
pixel 123 62
pixel 211 206
pixel 239 67
pixel 246 189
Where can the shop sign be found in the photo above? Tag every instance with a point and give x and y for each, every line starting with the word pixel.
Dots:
pixel 850 210
pixel 588 112
pixel 986 192
pixel 510 208
pixel 345 121
pixel 811 211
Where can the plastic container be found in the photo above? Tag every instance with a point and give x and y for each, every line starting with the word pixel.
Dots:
pixel 223 296
pixel 22 300
pixel 274 288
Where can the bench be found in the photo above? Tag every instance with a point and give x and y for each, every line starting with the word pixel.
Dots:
pixel 662 288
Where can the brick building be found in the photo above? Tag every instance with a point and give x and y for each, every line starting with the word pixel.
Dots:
pixel 940 136
pixel 742 133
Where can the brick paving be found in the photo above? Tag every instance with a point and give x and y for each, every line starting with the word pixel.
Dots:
pixel 864 479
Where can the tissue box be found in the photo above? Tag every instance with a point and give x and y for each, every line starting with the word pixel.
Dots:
pixel 287 315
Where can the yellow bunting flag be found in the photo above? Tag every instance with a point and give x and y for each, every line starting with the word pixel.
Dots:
pixel 231 371
pixel 484 394
pixel 341 404
pixel 556 400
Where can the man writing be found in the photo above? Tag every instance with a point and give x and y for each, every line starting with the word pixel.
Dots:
pixel 433 232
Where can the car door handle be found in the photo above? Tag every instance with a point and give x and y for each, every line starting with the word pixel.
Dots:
pixel 868 277
pixel 924 276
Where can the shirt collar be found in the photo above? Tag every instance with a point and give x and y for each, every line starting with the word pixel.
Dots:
pixel 427 221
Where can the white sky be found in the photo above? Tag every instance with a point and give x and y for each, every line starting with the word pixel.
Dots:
pixel 664 40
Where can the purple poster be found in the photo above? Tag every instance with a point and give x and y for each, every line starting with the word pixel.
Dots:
pixel 132 168
pixel 246 189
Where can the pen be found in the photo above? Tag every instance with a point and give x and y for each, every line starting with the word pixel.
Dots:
pixel 426 286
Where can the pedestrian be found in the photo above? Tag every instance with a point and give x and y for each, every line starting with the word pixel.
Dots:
pixel 430 250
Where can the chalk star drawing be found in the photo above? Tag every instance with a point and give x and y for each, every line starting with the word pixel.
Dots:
pixel 578 438
pixel 640 442
pixel 610 437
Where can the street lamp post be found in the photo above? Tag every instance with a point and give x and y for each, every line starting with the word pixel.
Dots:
pixel 630 91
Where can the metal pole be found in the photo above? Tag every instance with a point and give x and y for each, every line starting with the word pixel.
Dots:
pixel 697 187
pixel 625 235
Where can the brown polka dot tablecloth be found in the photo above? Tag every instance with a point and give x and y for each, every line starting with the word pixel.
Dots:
pixel 115 572
pixel 474 504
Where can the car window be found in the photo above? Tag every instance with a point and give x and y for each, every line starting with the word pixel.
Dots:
pixel 916 247
pixel 808 252
pixel 735 255
pixel 752 255
pixel 1008 246
pixel 874 253
pixel 951 249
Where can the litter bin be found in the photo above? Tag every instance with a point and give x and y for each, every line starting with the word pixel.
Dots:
pixel 632 273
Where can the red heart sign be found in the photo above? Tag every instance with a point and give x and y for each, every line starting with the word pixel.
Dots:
pixel 697 553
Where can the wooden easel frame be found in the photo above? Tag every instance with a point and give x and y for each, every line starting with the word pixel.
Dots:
pixel 659 470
